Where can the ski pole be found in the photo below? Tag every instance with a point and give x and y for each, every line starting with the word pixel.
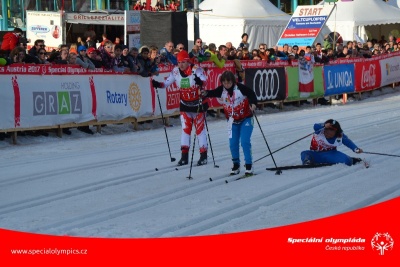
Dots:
pixel 382 154
pixel 191 161
pixel 209 139
pixel 278 171
pixel 284 147
pixel 165 129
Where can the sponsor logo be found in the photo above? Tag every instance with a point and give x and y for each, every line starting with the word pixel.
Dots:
pixel 266 84
pixel 116 98
pixel 339 79
pixel 135 98
pixel 392 68
pixel 368 76
pixel 382 242
pixel 57 103
pixel 39 29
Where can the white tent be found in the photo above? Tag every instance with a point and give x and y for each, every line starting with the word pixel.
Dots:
pixel 366 18
pixel 226 21
pixel 395 3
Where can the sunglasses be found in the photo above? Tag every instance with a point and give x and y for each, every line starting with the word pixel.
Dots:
pixel 261 48
pixel 42 53
pixel 108 46
pixel 181 48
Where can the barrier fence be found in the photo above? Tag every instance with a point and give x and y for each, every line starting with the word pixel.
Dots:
pixel 36 97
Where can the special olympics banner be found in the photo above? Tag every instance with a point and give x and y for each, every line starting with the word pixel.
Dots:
pixel 390 70
pixel 268 83
pixel 339 79
pixel 367 75
pixel 305 25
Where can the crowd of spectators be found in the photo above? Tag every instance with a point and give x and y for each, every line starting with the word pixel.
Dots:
pixel 114 55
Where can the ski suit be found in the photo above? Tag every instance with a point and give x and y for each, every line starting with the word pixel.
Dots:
pixel 323 150
pixel 236 102
pixel 190 110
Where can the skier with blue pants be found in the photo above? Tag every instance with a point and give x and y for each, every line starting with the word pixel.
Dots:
pixel 323 149
pixel 239 103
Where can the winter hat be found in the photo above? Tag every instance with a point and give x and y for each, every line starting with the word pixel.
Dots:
pixel 183 56
pixel 92 49
pixel 82 48
pixel 334 125
pixel 72 51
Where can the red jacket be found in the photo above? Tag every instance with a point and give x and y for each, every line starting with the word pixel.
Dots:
pixel 10 41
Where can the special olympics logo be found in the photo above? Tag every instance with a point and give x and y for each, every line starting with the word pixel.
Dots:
pixel 382 243
pixel 266 84
pixel 135 98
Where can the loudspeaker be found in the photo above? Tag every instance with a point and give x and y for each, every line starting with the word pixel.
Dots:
pixel 157 28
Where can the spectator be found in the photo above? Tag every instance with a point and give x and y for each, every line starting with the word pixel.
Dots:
pixel 127 61
pixel 199 43
pixel 83 60
pixel 215 56
pixel 180 47
pixel 18 55
pixel 42 56
pixel 159 6
pixel 255 54
pixel 90 42
pixel 155 59
pixel 146 65
pixel 105 40
pixel 94 56
pixel 39 43
pixel 172 6
pixel 107 55
pixel 231 54
pixel 262 51
pixel 246 54
pixel 244 43
pixel 73 48
pixel 295 50
pixel 285 49
pixel 167 55
pixel 11 40
pixel 137 6
pixel 229 45
pixel 134 53
pixel 118 64
pixel 80 42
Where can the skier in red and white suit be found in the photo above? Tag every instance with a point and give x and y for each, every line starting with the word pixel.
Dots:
pixel 189 79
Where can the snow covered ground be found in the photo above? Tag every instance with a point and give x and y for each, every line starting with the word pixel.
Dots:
pixel 106 185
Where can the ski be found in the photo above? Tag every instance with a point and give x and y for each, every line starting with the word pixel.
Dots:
pixel 244 177
pixel 290 167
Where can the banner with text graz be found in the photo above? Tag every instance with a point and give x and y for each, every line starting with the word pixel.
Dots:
pixel 367 75
pixel 268 83
pixel 339 79
pixel 63 99
pixel 293 83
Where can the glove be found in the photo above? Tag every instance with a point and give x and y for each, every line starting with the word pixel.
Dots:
pixel 156 84
pixel 198 81
pixel 358 150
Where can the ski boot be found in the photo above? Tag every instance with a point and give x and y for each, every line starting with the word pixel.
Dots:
pixel 203 159
pixel 235 169
pixel 184 159
pixel 249 170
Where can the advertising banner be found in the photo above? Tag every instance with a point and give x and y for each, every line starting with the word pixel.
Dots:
pixel 390 70
pixel 44 25
pixel 339 79
pixel 268 84
pixel 305 25
pixel 367 75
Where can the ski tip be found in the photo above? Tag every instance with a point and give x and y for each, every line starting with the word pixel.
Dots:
pixel 156 169
pixel 226 181
pixel 176 169
pixel 210 179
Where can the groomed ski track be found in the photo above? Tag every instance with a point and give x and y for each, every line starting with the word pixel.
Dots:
pixel 109 187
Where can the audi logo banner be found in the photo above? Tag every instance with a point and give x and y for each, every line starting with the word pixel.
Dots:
pixel 268 84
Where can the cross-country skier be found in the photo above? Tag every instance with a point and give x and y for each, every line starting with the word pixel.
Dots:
pixel 239 103
pixel 323 149
pixel 189 79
